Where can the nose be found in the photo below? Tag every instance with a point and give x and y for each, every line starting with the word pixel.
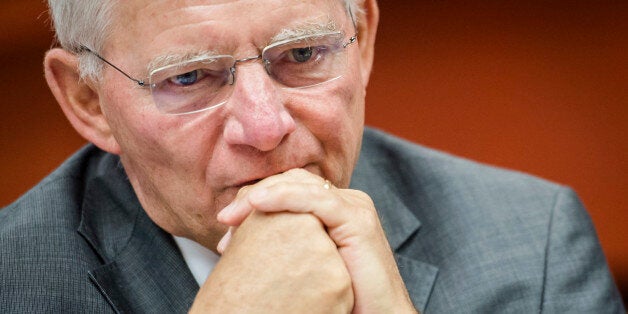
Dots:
pixel 257 118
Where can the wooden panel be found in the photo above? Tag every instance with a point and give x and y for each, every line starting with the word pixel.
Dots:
pixel 532 85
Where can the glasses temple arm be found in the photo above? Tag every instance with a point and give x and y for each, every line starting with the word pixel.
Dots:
pixel 353 39
pixel 139 82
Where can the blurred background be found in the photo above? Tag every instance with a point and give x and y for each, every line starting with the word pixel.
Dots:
pixel 538 86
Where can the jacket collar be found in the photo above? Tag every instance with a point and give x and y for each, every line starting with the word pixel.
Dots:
pixel 142 270
pixel 399 224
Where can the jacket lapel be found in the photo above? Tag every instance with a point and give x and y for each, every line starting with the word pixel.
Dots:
pixel 399 224
pixel 142 269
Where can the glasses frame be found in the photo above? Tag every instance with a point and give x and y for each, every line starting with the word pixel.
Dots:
pixel 232 69
pixel 143 83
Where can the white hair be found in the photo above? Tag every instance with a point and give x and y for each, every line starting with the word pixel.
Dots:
pixel 88 22
pixel 84 22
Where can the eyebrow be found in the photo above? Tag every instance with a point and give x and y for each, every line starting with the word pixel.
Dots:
pixel 304 29
pixel 174 59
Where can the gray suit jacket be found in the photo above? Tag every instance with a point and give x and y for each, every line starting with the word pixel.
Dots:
pixel 467 238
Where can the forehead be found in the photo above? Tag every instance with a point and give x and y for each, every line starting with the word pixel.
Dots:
pixel 202 24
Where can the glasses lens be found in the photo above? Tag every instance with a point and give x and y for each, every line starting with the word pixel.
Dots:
pixel 192 86
pixel 306 61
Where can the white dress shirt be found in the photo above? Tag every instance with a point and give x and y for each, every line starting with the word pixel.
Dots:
pixel 200 260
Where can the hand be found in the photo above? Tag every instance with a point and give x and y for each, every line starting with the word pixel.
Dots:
pixel 278 263
pixel 351 222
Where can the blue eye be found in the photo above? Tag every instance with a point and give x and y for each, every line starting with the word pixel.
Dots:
pixel 301 54
pixel 188 78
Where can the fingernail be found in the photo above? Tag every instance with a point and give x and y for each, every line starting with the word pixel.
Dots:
pixel 224 242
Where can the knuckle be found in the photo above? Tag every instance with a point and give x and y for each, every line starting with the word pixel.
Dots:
pixel 370 218
pixel 296 172
pixel 364 198
pixel 242 191
pixel 364 208
pixel 338 285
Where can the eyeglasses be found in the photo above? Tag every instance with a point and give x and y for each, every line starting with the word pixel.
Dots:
pixel 207 82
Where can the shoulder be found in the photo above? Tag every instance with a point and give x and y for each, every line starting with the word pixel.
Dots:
pixel 500 238
pixel 39 243
pixel 453 195
pixel 461 201
pixel 448 178
pixel 48 203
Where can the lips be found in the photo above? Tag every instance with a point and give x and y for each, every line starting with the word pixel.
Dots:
pixel 251 182
pixel 309 167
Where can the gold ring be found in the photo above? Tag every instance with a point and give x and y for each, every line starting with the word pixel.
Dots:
pixel 327 185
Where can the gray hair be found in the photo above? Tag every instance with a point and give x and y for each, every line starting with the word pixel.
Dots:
pixel 79 23
pixel 87 22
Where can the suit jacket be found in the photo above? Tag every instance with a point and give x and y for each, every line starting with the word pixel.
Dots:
pixel 466 237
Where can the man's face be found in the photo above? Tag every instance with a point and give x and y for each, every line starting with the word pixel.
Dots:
pixel 185 168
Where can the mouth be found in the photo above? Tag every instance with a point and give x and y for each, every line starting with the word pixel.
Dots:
pixel 309 167
pixel 251 182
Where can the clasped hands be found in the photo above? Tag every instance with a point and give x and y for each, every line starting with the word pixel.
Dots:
pixel 298 245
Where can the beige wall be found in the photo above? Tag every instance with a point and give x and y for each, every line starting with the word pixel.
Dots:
pixel 534 85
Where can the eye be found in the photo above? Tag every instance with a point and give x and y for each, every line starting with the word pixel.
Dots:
pixel 187 78
pixel 301 54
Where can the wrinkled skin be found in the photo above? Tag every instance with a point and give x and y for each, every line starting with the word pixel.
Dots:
pixel 292 236
pixel 186 168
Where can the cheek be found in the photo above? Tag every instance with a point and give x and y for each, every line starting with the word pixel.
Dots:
pixel 349 135
pixel 166 158
pixel 144 133
pixel 339 103
pixel 124 109
pixel 345 114
pixel 334 115
pixel 164 153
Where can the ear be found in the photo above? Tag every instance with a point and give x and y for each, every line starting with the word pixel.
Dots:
pixel 78 99
pixel 367 29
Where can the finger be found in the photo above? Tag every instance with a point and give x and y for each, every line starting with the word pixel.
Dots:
pixel 224 242
pixel 341 211
pixel 235 213
pixel 326 204
pixel 239 209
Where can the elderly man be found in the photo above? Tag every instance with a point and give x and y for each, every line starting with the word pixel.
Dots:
pixel 228 153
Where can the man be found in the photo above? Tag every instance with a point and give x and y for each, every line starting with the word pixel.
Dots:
pixel 235 128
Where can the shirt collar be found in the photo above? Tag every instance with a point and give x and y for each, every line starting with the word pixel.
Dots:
pixel 200 260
